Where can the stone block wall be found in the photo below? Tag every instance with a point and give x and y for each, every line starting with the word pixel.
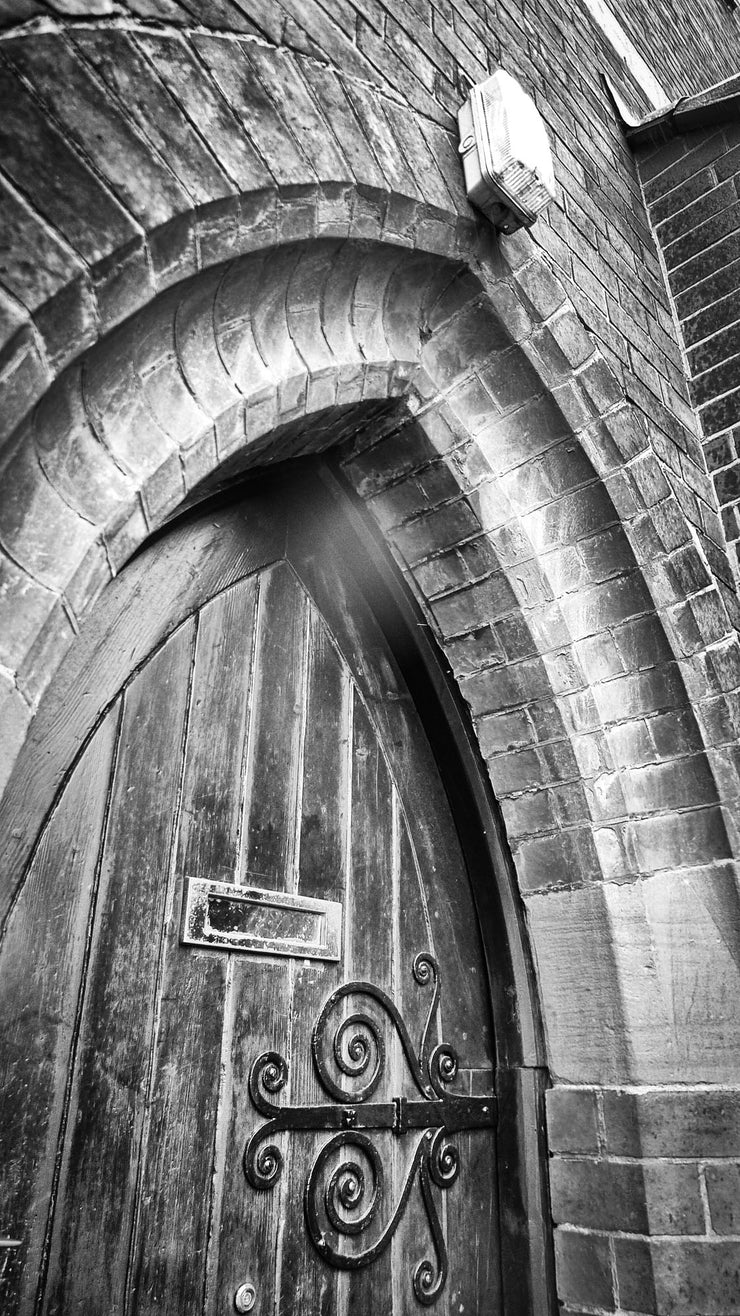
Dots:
pixel 646 1188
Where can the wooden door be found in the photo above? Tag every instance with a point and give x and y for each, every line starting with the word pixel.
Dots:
pixel 247 1059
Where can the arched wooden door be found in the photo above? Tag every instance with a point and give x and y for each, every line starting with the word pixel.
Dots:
pixel 247 1053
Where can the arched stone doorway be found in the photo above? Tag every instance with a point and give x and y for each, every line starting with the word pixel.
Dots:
pixel 543 538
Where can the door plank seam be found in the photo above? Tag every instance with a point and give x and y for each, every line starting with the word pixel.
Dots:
pixel 171 876
pixel 81 999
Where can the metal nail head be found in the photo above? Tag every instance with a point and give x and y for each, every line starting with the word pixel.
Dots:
pixel 245 1297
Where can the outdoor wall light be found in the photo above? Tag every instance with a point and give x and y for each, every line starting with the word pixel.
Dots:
pixel 505 153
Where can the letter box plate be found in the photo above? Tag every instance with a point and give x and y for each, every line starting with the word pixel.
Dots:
pixel 250 918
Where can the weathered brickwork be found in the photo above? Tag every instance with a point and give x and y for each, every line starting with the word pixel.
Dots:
pixel 692 187
pixel 103 261
pixel 688 47
pixel 229 247
pixel 645 1183
pixel 701 48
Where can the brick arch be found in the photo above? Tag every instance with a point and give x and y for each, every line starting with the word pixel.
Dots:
pixel 520 489
pixel 508 532
pixel 213 147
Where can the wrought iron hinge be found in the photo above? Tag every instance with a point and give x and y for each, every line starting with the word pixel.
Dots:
pixel 338 1201
pixel 399 1122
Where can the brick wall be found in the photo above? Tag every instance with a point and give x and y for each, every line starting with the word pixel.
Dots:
pixel 542 485
pixel 649 1185
pixel 688 47
pixel 692 188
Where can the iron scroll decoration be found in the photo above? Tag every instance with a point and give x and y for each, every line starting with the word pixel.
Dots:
pixel 355 1046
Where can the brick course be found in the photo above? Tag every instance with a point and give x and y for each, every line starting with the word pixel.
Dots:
pixel 649 1196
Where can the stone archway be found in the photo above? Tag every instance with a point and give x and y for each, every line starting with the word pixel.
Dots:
pixel 497 515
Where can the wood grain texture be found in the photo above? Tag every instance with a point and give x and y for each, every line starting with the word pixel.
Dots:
pixel 41 967
pixel 245 1246
pixel 175 1193
pixel 326 766
pixel 96 1202
pixel 273 768
pixel 164 584
pixel 429 905
pixel 169 1262
pixel 307 1283
pixel 258 1007
pixel 209 830
pixel 412 934
pixel 369 957
pixel 270 740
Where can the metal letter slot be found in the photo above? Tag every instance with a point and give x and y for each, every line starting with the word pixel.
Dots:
pixel 249 918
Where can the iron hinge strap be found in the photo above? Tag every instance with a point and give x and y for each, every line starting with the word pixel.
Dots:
pixel 401 1115
pixel 344 1191
pixel 451 1113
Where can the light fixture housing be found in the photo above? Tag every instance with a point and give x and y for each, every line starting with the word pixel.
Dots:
pixel 505 153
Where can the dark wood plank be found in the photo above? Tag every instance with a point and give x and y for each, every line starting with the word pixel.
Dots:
pixel 369 952
pixel 273 767
pixel 527 1256
pixel 169 1270
pixel 245 1243
pixel 472 1217
pixel 175 1196
pixel 211 815
pixel 258 1004
pixel 96 1201
pixel 369 956
pixel 414 933
pixel 440 917
pixel 307 1284
pixel 325 798
pixel 41 966
pixel 136 612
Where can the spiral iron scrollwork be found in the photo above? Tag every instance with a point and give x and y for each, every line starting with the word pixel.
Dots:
pixel 348 1189
pixel 345 1194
